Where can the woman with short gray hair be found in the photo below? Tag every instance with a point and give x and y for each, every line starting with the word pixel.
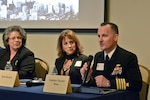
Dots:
pixel 15 52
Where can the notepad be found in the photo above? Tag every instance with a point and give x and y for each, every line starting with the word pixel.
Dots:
pixel 92 90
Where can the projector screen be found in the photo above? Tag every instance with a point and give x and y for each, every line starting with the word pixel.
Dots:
pixel 78 14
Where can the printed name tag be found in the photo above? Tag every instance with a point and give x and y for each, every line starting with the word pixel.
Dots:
pixel 78 63
pixel 9 78
pixel 57 84
pixel 100 67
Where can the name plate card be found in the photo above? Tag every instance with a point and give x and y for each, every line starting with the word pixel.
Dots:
pixel 9 78
pixel 57 84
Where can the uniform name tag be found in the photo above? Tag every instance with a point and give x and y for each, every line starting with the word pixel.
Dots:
pixel 78 63
pixel 100 67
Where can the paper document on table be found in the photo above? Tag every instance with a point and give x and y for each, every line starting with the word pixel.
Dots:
pixel 96 90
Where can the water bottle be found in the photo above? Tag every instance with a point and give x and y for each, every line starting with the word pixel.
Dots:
pixel 53 71
pixel 8 66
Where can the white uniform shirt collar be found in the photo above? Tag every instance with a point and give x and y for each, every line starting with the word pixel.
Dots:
pixel 110 53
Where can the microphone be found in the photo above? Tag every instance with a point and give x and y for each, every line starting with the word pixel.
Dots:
pixel 34 83
pixel 89 60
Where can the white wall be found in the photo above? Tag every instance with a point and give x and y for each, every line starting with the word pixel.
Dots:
pixel 132 17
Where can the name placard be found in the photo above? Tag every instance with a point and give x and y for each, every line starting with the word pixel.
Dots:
pixel 57 84
pixel 9 78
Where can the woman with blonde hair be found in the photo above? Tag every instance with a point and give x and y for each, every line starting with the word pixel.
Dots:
pixel 70 58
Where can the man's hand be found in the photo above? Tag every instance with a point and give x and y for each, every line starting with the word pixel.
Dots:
pixel 84 69
pixel 101 81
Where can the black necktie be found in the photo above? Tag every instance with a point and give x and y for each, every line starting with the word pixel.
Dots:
pixel 107 58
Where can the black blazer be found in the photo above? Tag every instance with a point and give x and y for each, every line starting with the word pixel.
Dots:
pixel 130 69
pixel 74 72
pixel 23 62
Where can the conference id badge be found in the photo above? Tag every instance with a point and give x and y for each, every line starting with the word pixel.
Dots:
pixel 78 63
pixel 100 67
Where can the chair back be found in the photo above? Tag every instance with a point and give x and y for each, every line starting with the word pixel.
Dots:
pixel 145 72
pixel 41 68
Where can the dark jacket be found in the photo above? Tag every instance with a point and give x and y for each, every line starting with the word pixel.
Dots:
pixel 23 62
pixel 74 72
pixel 127 61
pixel 1 48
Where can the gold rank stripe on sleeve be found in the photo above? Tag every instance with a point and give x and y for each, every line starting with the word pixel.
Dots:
pixel 117 84
pixel 121 84
pixel 124 82
pixel 124 85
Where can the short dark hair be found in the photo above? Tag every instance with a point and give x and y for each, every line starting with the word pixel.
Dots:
pixel 114 27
